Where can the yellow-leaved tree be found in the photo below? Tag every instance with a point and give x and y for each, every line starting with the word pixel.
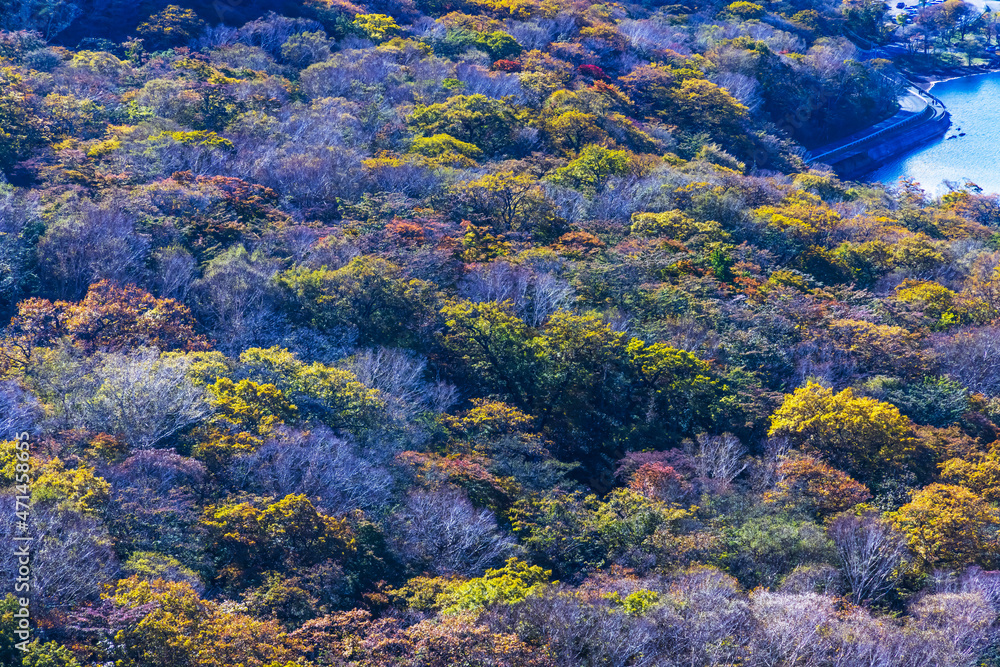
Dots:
pixel 862 436
pixel 377 27
pixel 949 526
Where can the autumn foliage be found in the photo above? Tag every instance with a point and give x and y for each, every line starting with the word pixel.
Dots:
pixel 487 333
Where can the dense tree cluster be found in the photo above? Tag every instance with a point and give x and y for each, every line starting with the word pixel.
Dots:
pixel 469 332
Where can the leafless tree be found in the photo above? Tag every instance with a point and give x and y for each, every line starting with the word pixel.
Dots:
pixel 217 37
pixel 691 334
pixel 144 397
pixel 534 294
pixel 164 98
pixel 652 35
pixel 229 53
pixel 175 271
pixel 17 211
pixel 65 383
pixel 715 620
pixel 441 395
pixel 744 88
pixel 93 242
pixel 763 470
pixel 324 467
pixel 46 16
pixel 810 578
pixel 720 458
pixel 397 374
pixel 987 584
pixel 157 472
pixel 310 344
pixel 808 629
pixel 549 293
pixel 71 556
pixel 578 632
pixel 440 531
pixel 859 640
pixel 312 127
pixel 234 298
pixel 570 204
pixel 336 76
pixel 792 629
pixel 871 552
pixel 497 281
pixel 313 177
pixel 479 80
pixel 958 625
pixel 154 502
pixel 333 253
pixel 273 30
pixel 972 356
pixel 19 409
pixel 618 200
pixel 297 240
pixel 305 48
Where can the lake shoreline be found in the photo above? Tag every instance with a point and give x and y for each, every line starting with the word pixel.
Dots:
pixel 927 82
pixel 970 151
pixel 891 149
pixel 921 118
pixel 865 156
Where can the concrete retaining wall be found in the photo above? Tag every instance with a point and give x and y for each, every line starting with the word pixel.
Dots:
pixel 885 149
pixel 887 140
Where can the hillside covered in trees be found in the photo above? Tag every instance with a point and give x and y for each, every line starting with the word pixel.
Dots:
pixel 483 333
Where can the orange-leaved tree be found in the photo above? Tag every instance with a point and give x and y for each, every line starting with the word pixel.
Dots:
pixel 110 318
pixel 823 489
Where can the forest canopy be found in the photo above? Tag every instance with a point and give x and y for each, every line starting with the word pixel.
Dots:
pixel 484 332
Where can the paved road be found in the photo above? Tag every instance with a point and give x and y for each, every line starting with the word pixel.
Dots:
pixel 911 104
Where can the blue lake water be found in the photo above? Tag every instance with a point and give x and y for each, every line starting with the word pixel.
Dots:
pixel 974 103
